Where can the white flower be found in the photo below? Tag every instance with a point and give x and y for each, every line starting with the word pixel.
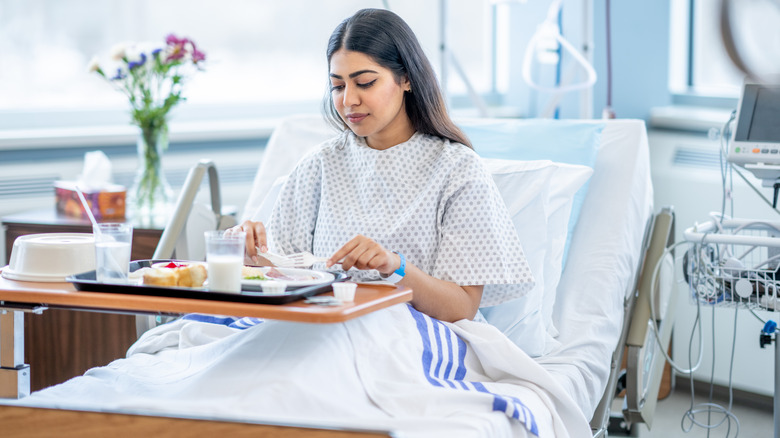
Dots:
pixel 94 65
pixel 133 53
pixel 118 51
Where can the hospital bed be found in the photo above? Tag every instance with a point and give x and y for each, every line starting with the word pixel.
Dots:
pixel 598 303
pixel 602 304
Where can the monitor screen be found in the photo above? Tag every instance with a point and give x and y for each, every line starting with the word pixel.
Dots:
pixel 765 124
pixel 759 115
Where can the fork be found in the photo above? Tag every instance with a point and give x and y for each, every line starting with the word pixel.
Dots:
pixel 305 259
pixel 297 260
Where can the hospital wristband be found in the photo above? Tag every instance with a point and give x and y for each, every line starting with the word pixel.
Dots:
pixel 399 273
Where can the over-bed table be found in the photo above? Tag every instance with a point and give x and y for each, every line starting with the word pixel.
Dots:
pixel 17 297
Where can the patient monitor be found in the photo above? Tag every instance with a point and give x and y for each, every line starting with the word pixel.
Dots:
pixel 755 144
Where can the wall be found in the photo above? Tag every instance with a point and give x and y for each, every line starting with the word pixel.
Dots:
pixel 640 57
pixel 640 52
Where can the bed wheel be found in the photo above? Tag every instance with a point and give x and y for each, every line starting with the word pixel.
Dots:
pixel 621 384
pixel 618 426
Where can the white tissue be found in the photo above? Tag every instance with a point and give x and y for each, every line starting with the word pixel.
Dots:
pixel 96 174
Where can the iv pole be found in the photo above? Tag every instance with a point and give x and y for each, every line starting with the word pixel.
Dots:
pixel 446 57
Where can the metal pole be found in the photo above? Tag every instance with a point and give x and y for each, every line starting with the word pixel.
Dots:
pixel 443 49
pixel 14 373
pixel 586 95
pixel 777 387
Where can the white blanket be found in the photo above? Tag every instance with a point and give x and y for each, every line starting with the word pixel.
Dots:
pixel 394 369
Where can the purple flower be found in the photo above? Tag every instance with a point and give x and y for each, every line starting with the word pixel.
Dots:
pixel 172 40
pixel 119 75
pixel 197 55
pixel 156 52
pixel 134 64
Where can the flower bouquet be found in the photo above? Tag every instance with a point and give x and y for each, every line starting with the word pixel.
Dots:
pixel 152 78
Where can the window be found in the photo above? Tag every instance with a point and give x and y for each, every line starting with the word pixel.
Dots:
pixel 699 62
pixel 264 58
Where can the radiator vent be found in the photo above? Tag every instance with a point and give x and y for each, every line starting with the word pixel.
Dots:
pixel 689 156
pixel 176 177
pixel 15 188
pixel 27 187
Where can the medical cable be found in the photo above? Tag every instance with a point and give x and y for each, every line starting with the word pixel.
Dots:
pixel 763 321
pixel 700 408
pixel 725 167
pixel 710 407
pixel 697 323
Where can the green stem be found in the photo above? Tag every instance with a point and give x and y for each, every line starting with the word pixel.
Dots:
pixel 150 185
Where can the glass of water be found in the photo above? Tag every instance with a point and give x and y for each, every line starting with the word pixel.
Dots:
pixel 112 251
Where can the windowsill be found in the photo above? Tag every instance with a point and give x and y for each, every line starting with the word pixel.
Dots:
pixel 110 126
pixel 688 118
pixel 113 135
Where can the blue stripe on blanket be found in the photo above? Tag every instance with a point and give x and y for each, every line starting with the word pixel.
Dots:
pixel 229 321
pixel 427 355
pixel 442 335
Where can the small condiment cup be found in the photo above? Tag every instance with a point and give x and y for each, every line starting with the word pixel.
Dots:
pixel 273 287
pixel 344 291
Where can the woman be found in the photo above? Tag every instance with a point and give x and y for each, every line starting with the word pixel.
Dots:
pixel 400 194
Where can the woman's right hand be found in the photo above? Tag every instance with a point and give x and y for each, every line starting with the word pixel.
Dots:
pixel 255 239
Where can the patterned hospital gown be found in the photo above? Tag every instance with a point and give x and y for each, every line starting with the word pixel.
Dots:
pixel 428 198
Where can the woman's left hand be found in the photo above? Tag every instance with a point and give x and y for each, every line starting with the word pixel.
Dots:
pixel 363 253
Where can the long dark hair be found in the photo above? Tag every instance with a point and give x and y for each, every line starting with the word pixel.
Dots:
pixel 388 40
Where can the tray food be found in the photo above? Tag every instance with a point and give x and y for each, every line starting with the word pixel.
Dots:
pixel 322 283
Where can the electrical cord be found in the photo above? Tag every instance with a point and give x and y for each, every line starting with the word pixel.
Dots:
pixel 653 317
pixel 689 419
pixel 710 407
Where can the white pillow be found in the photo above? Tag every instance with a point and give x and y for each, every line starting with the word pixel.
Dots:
pixel 539 196
pixel 263 211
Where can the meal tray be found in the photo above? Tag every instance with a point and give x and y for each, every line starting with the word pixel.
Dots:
pixel 87 282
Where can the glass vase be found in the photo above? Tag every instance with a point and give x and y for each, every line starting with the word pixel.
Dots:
pixel 149 199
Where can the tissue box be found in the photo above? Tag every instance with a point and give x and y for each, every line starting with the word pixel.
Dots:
pixel 106 203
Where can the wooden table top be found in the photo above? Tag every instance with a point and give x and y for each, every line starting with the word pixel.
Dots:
pixel 368 298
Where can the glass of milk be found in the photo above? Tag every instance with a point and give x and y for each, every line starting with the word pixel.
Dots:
pixel 112 251
pixel 225 257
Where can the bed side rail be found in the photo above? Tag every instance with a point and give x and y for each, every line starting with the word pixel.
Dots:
pixel 645 361
pixel 656 235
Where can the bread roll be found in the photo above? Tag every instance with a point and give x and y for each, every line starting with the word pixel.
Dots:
pixel 184 276
pixel 160 277
pixel 191 276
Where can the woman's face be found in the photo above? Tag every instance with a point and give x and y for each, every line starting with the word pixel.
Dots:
pixel 369 100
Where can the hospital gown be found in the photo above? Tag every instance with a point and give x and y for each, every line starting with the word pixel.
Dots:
pixel 427 198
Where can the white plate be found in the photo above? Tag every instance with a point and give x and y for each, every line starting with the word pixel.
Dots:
pixel 302 277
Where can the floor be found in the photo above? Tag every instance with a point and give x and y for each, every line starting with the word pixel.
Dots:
pixel 754 415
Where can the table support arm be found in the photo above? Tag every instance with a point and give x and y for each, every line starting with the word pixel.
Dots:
pixel 14 373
